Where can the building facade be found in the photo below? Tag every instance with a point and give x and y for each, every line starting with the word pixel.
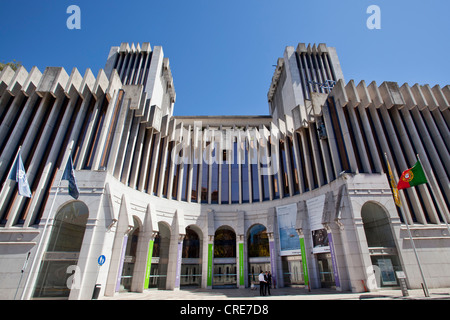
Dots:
pixel 172 202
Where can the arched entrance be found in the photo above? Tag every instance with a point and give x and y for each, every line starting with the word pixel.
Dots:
pixel 381 243
pixel 191 263
pixel 63 249
pixel 258 252
pixel 225 270
pixel 130 257
pixel 160 258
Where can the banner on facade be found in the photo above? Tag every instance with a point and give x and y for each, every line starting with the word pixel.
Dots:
pixel 304 262
pixel 210 263
pixel 241 265
pixel 319 235
pixel 286 217
pixel 149 264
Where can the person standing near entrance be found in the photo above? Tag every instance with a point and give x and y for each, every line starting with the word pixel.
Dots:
pixel 268 278
pixel 262 284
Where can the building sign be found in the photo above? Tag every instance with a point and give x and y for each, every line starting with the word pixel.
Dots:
pixel 287 216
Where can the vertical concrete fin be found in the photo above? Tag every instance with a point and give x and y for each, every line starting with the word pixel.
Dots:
pixel 301 222
pixel 20 76
pixel 53 80
pixel 328 209
pixel 125 221
pixel 179 222
pixel 32 81
pixel 101 84
pixel 114 210
pixel 73 84
pixel 150 221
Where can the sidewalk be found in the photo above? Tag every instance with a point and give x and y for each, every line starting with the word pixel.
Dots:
pixel 279 294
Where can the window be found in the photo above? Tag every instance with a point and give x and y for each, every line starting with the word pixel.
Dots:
pixel 62 253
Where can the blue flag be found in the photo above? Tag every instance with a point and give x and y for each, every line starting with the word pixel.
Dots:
pixel 69 175
pixel 19 175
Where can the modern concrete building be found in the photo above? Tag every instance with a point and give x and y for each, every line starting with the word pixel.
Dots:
pixel 168 202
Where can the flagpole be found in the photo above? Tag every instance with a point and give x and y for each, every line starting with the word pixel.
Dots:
pixel 425 287
pixel 43 239
pixel 443 213
pixel 44 233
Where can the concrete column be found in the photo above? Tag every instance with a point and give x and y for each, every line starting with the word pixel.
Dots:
pixel 315 145
pixel 354 101
pixel 164 143
pixel 298 160
pixel 138 156
pixel 366 127
pixel 83 154
pixel 307 160
pixel 129 145
pixel 340 103
pixel 178 262
pixel 154 161
pixel 289 165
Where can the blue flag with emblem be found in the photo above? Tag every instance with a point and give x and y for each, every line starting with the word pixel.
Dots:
pixel 69 175
pixel 18 174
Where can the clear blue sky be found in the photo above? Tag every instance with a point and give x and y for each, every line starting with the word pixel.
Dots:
pixel 222 52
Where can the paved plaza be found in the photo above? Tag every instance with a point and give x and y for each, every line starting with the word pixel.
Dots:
pixel 280 294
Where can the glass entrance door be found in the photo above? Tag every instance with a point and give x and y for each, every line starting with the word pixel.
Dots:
pixel 224 275
pixel 255 268
pixel 55 278
pixel 191 274
pixel 292 270
pixel 326 270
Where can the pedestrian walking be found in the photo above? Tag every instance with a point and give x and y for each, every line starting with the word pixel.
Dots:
pixel 262 283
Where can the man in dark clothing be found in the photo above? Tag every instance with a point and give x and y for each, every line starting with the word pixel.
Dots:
pixel 268 279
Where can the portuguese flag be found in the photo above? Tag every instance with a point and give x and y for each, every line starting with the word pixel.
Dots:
pixel 412 177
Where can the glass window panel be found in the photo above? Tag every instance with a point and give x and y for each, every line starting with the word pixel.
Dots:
pixel 258 241
pixel 255 182
pixel 224 244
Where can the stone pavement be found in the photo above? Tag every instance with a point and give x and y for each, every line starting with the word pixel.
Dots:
pixel 299 293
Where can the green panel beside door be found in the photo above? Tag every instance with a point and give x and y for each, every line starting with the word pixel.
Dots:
pixel 149 264
pixel 305 266
pixel 210 262
pixel 241 264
